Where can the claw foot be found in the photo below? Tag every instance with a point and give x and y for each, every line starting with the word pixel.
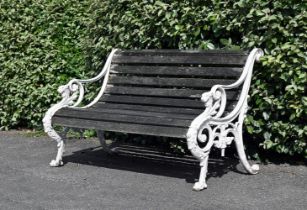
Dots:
pixel 199 186
pixel 255 168
pixel 55 163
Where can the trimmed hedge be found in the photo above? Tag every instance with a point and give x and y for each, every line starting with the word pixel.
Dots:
pixel 42 41
pixel 40 47
pixel 278 98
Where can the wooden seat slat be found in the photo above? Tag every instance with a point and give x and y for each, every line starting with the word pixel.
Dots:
pixel 125 118
pixel 99 110
pixel 155 130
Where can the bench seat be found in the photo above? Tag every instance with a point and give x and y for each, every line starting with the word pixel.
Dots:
pixel 157 92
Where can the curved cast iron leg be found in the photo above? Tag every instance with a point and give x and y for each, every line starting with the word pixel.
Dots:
pixel 201 155
pixel 54 135
pixel 201 184
pixel 105 146
pixel 58 160
pixel 252 169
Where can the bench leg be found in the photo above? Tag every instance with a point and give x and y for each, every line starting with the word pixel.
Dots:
pixel 201 155
pixel 58 160
pixel 47 122
pixel 252 169
pixel 201 184
pixel 105 146
pixel 60 144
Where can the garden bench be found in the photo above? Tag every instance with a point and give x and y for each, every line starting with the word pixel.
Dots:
pixel 197 95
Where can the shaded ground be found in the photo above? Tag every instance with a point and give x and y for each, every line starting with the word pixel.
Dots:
pixel 91 179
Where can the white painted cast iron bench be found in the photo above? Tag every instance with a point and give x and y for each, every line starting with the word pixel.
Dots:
pixel 197 95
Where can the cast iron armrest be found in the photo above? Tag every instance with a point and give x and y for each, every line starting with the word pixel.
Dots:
pixel 72 95
pixel 221 130
pixel 73 92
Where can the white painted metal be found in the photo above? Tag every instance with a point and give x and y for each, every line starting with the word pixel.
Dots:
pixel 212 128
pixel 72 95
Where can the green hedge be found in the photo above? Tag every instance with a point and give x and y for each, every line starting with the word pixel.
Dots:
pixel 40 47
pixel 42 42
pixel 278 99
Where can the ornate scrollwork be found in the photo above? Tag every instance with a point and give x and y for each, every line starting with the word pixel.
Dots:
pixel 213 129
pixel 72 95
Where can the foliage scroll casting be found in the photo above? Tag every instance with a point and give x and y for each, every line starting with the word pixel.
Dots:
pixel 72 96
pixel 212 128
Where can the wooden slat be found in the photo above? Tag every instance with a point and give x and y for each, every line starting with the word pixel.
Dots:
pixel 161 52
pixel 141 113
pixel 213 72
pixel 156 101
pixel 163 92
pixel 158 109
pixel 168 82
pixel 210 59
pixel 148 91
pixel 122 127
pixel 189 103
pixel 125 118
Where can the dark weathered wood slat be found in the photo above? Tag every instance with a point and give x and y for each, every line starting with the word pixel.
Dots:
pixel 168 82
pixel 151 52
pixel 165 92
pixel 148 91
pixel 122 127
pixel 209 59
pixel 173 102
pixel 189 103
pixel 116 117
pixel 158 109
pixel 214 72
pixel 114 111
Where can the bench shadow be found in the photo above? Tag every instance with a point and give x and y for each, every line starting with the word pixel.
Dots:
pixel 170 167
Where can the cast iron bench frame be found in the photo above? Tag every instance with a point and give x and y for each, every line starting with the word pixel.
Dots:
pixel 213 126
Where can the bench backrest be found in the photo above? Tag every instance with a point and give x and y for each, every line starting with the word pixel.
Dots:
pixel 170 80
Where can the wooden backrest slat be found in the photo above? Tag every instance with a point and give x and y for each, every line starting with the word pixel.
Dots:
pixel 171 80
pixel 156 101
pixel 167 82
pixel 209 57
pixel 212 60
pixel 208 72
pixel 162 92
pixel 150 52
pixel 150 108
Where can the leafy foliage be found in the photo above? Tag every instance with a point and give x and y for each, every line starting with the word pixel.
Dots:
pixel 42 41
pixel 40 47
pixel 278 98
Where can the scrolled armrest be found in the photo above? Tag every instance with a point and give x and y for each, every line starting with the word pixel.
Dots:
pixel 73 92
pixel 215 100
